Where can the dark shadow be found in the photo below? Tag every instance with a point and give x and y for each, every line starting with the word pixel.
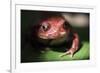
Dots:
pixel 63 47
pixel 30 54
pixel 83 33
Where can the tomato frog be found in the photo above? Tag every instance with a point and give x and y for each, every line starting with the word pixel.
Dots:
pixel 56 27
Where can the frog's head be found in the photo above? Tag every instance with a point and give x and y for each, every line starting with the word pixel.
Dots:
pixel 52 28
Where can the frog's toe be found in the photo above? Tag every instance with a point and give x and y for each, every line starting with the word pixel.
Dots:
pixel 67 53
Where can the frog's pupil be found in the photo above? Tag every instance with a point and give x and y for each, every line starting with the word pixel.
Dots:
pixel 44 27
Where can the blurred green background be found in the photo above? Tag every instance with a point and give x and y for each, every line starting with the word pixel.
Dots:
pixel 29 53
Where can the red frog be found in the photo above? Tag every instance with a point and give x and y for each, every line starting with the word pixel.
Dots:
pixel 56 27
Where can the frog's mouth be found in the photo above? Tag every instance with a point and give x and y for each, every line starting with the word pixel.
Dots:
pixel 52 36
pixel 43 37
pixel 47 37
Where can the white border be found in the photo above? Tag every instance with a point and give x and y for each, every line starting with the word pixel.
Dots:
pixel 16 66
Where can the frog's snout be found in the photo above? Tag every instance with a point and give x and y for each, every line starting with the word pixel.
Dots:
pixel 53 35
pixel 49 35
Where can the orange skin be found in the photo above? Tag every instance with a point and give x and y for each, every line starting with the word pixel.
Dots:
pixel 52 28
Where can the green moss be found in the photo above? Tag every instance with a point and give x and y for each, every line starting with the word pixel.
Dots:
pixel 82 54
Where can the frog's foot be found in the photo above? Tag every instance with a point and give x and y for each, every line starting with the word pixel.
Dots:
pixel 69 52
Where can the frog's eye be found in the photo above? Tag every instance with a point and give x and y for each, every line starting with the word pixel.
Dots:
pixel 45 26
pixel 66 25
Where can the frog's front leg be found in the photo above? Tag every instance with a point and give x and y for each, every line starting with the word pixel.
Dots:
pixel 74 47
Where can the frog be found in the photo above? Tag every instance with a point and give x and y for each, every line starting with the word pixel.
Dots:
pixel 56 28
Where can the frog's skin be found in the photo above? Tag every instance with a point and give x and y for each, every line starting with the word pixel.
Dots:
pixel 55 28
